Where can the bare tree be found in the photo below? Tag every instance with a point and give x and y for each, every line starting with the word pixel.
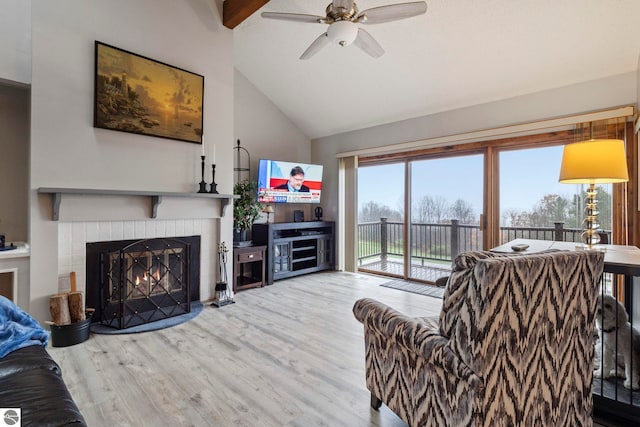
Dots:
pixel 430 209
pixel 440 209
pixel 463 211
pixel 515 218
pixel 372 211
pixel 551 208
pixel 420 210
pixel 400 207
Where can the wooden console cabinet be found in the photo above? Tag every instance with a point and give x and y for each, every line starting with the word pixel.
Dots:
pixel 295 248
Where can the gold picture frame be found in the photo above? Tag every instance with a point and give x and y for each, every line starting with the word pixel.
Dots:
pixel 140 95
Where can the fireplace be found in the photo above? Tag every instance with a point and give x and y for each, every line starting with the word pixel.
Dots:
pixel 132 282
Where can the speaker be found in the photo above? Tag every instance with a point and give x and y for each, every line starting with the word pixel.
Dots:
pixel 298 216
pixel 318 213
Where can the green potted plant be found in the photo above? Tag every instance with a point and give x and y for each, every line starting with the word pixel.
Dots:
pixel 246 209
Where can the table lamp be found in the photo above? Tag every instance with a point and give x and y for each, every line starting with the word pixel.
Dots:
pixel 268 210
pixel 597 161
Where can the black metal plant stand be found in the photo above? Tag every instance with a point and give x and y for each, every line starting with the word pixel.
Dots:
pixel 242 172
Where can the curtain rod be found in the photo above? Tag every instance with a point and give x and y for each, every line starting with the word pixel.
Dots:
pixel 478 135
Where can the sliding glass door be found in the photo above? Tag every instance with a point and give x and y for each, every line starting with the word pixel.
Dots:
pixel 381 190
pixel 414 216
pixel 446 204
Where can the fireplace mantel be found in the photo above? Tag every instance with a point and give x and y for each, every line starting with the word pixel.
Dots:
pixel 155 197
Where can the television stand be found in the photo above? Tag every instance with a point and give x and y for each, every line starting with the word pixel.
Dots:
pixel 295 248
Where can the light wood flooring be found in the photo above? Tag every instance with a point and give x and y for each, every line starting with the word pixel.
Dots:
pixel 290 354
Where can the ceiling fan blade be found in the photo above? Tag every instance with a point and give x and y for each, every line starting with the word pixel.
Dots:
pixel 317 44
pixel 368 44
pixel 297 17
pixel 392 12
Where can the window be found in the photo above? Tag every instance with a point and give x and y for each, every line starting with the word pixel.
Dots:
pixel 489 192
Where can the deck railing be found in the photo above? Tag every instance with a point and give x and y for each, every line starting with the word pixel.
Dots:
pixel 442 242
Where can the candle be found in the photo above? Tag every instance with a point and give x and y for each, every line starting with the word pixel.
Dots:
pixel 202 148
pixel 214 154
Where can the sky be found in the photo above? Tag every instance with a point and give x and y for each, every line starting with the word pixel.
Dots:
pixel 525 177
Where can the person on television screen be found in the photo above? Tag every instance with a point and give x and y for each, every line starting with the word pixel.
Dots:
pixel 295 183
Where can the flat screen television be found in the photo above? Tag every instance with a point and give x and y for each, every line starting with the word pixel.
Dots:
pixel 289 182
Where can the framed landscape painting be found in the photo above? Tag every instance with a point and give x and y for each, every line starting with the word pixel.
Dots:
pixel 140 95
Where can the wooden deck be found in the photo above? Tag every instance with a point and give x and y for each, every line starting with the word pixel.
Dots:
pixel 427 272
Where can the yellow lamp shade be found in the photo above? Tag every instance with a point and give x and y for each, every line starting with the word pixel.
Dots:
pixel 598 161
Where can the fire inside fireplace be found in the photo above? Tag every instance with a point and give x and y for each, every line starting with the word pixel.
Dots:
pixel 143 281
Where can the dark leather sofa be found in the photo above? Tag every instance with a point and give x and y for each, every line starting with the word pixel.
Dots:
pixel 32 381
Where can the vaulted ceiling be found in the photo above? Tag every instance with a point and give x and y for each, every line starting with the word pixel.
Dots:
pixel 460 53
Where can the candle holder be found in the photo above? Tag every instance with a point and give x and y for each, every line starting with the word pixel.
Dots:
pixel 214 186
pixel 203 184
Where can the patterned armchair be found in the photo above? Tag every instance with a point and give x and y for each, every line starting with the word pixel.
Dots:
pixel 513 345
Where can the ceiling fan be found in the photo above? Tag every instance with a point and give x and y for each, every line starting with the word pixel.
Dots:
pixel 342 17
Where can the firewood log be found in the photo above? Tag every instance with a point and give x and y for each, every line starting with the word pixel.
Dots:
pixel 59 308
pixel 72 281
pixel 76 306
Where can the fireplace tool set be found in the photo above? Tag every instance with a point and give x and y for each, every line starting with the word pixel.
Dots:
pixel 222 294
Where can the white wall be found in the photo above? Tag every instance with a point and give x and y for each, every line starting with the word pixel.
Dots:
pixel 14 162
pixel 15 41
pixel 268 134
pixel 68 152
pixel 15 75
pixel 590 96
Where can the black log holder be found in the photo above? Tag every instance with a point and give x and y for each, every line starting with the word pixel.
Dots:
pixel 203 184
pixel 71 334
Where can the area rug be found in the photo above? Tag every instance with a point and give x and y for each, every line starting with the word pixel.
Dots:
pixel 415 287
pixel 196 308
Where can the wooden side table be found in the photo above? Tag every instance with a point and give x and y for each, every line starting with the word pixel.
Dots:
pixel 248 267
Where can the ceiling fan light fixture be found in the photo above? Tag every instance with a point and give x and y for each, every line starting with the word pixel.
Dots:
pixel 343 18
pixel 342 33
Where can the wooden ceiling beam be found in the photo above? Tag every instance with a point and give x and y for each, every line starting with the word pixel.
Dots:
pixel 234 12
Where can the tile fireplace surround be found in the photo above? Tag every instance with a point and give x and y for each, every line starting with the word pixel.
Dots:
pixel 73 237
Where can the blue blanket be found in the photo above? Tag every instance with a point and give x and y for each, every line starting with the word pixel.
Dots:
pixel 18 329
